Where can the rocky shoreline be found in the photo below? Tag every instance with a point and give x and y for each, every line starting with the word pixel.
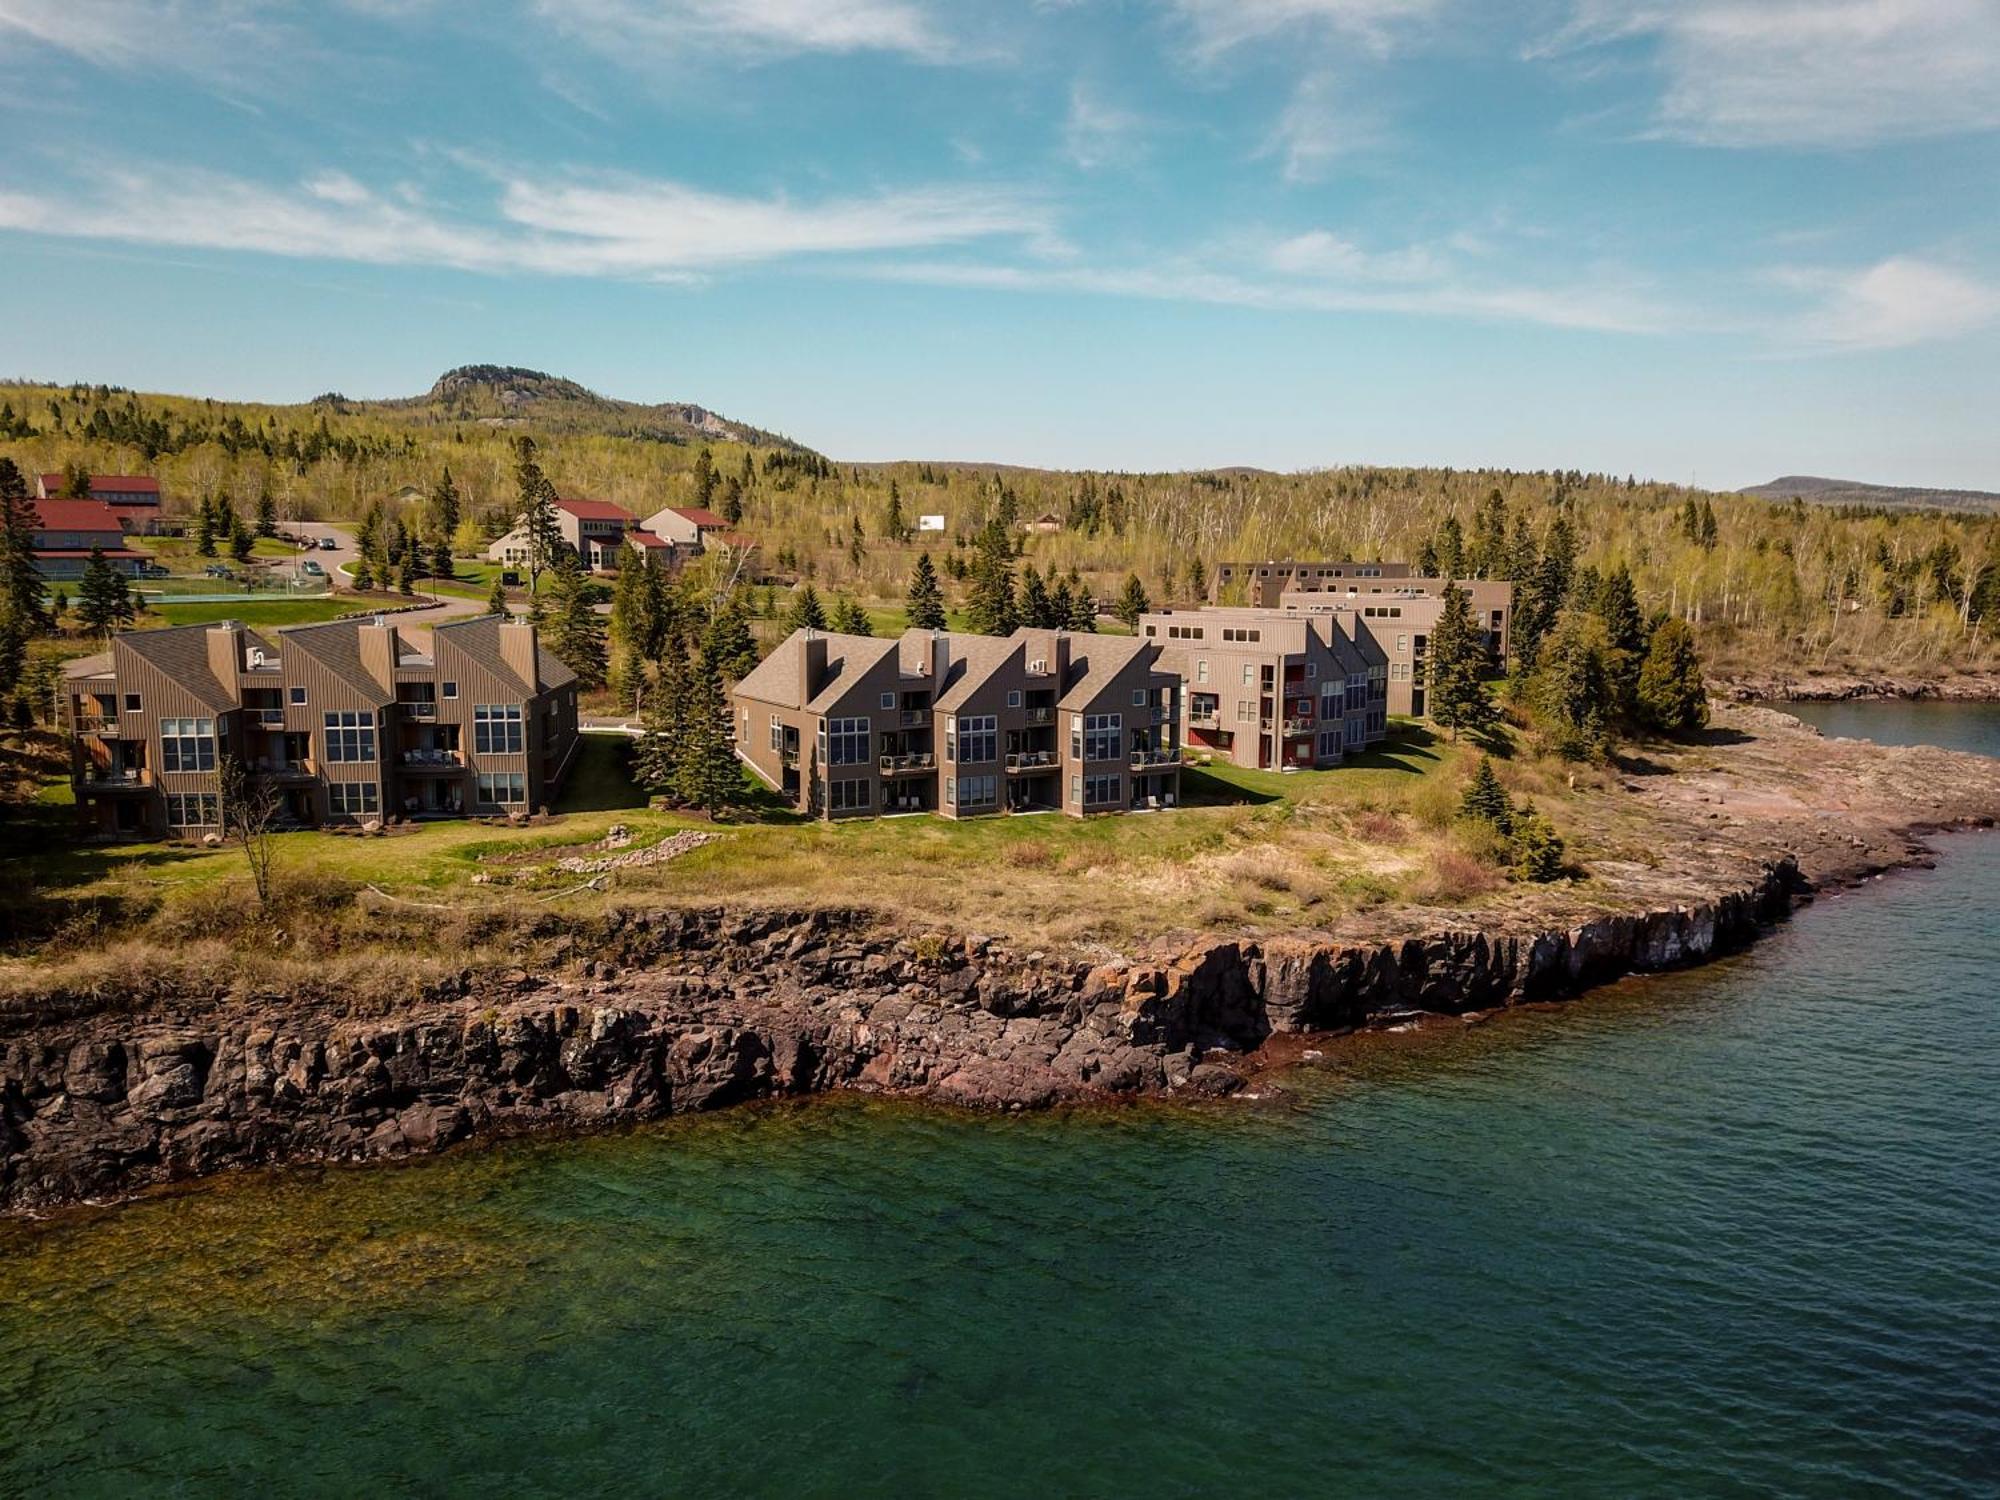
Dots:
pixel 673 1009
pixel 1965 687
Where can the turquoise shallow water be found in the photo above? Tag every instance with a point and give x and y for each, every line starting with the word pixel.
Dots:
pixel 1727 1233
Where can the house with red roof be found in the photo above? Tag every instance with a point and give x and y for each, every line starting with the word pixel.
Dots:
pixel 687 526
pixel 599 532
pixel 67 530
pixel 133 498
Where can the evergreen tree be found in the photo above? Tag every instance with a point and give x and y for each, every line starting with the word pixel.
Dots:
pixel 1197 579
pixel 406 577
pixel 76 481
pixel 1489 537
pixel 1082 606
pixel 663 722
pixel 893 525
pixel 1457 696
pixel 704 479
pixel 1450 549
pixel 536 498
pixel 442 565
pixel 1037 605
pixel 730 642
pixel 20 577
pixel 363 574
pixel 1427 558
pixel 267 510
pixel 99 596
pixel 241 539
pixel 1672 693
pixel 204 528
pixel 849 618
pixel 634 626
pixel 1625 633
pixel 732 501
pixel 576 633
pixel 1538 848
pixel 709 777
pixel 1132 602
pixel 1486 800
pixel 1710 533
pixel 1569 689
pixel 926 601
pixel 806 612
pixel 990 610
pixel 445 509
pixel 496 600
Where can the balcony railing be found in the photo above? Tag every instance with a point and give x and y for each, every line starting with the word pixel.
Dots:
pixel 908 765
pixel 914 718
pixel 1298 726
pixel 1148 760
pixel 97 723
pixel 789 756
pixel 432 759
pixel 1207 718
pixel 114 776
pixel 268 718
pixel 284 768
pixel 1041 716
pixel 418 708
pixel 1032 760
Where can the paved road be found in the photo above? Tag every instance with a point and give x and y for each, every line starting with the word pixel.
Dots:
pixel 445 607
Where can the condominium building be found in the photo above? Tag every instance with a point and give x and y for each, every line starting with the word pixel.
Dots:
pixel 602 535
pixel 1401 620
pixel 1268 690
pixel 346 720
pixel 963 725
pixel 67 532
pixel 1260 583
pixel 134 498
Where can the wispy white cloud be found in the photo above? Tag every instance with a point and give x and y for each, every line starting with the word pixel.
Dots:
pixel 1218 26
pixel 595 226
pixel 651 29
pixel 1326 120
pixel 131 34
pixel 1892 304
pixel 1097 133
pixel 1814 73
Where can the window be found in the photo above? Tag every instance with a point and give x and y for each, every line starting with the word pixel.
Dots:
pixel 848 796
pixel 187 744
pixel 978 739
pixel 1245 710
pixel 1303 708
pixel 1312 670
pixel 1329 744
pixel 888 700
pixel 1249 674
pixel 501 787
pixel 132 703
pixel 352 799
pixel 972 791
pixel 1102 735
pixel 350 736
pixel 846 741
pixel 193 809
pixel 1402 645
pixel 298 696
pixel 777 733
pixel 451 690
pixel 1013 697
pixel 1101 791
pixel 1201 670
pixel 496 729
pixel 1357 690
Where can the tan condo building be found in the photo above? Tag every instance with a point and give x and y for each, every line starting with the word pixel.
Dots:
pixel 963 725
pixel 1401 619
pixel 1267 690
pixel 346 720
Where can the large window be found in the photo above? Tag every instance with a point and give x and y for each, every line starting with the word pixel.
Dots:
pixel 496 729
pixel 978 740
pixel 1357 690
pixel 1101 791
pixel 1329 744
pixel 846 742
pixel 350 736
pixel 848 796
pixel 193 809
pixel 187 745
pixel 503 787
pixel 972 791
pixel 1102 736
pixel 352 799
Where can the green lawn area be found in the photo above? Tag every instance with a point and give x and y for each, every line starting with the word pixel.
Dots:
pixel 276 611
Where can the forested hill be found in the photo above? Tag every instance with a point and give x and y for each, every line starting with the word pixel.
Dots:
pixel 1817 491
pixel 1769 586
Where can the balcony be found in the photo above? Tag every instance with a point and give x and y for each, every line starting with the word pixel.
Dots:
pixel 1041 716
pixel 1298 727
pixel 1205 718
pixel 789 756
pixel 267 718
pixel 908 765
pixel 114 778
pixel 914 718
pixel 1032 760
pixel 1154 760
pixel 431 760
pixel 285 770
pixel 418 708
pixel 105 724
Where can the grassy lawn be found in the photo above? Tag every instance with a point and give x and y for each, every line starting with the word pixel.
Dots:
pixel 277 611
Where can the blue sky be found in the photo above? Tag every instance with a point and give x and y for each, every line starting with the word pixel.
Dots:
pixel 1693 239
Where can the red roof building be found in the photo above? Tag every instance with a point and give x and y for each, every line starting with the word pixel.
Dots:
pixel 67 530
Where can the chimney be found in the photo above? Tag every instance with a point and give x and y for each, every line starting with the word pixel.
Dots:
pixel 521 651
pixel 1060 664
pixel 225 651
pixel 377 644
pixel 812 665
pixel 940 658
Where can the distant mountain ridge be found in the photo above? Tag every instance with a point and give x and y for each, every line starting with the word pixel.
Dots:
pixel 1819 491
pixel 510 395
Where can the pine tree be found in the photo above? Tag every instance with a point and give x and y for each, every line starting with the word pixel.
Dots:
pixel 849 618
pixel 1486 800
pixel 441 561
pixel 991 610
pixel 730 642
pixel 704 479
pixel 406 577
pixel 709 777
pixel 732 501
pixel 76 481
pixel 241 539
pixel 1132 602
pixel 806 612
pixel 363 573
pixel 893 525
pixel 204 528
pixel 1451 548
pixel 1035 604
pixel 496 601
pixel 537 516
pixel 1672 692
pixel 576 634
pixel 1569 689
pixel 663 722
pixel 1457 696
pixel 1082 606
pixel 1197 579
pixel 1625 632
pixel 1538 848
pixel 445 506
pixel 20 578
pixel 926 602
pixel 633 626
pixel 267 510
pixel 1710 533
pixel 98 595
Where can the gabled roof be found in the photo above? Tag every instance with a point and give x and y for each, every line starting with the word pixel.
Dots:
pixel 336 646
pixel 695 515
pixel 88 666
pixel 848 657
pixel 1093 661
pixel 75 515
pixel 180 654
pixel 776 679
pixel 596 510
pixel 479 638
pixel 639 537
pixel 973 661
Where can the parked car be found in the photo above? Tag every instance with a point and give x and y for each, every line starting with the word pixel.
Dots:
pixel 216 570
pixel 312 569
pixel 329 544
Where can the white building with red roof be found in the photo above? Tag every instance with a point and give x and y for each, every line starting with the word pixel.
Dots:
pixel 599 532
pixel 686 526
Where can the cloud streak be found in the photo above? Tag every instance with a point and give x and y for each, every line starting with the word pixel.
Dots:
pixel 625 29
pixel 1893 304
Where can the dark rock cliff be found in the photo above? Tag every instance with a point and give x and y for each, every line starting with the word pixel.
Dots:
pixel 693 1010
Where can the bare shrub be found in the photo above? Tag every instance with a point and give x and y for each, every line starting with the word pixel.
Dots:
pixel 1456 877
pixel 1376 827
pixel 1031 856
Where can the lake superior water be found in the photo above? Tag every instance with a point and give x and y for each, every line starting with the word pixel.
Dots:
pixel 1733 1232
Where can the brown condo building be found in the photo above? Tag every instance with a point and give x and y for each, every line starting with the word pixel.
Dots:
pixel 963 725
pixel 1266 690
pixel 1400 618
pixel 346 720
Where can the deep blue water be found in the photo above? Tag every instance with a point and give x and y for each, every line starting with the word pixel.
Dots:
pixel 1734 1232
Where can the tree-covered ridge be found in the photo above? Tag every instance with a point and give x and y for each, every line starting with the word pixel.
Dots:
pixel 1764 586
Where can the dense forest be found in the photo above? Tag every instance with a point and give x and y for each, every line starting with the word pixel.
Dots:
pixel 1766 585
